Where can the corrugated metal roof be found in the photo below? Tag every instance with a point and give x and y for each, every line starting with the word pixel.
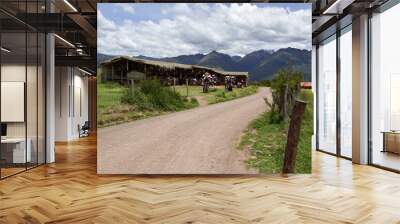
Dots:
pixel 172 65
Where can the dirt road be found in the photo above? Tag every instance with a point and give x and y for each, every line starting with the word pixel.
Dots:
pixel 197 141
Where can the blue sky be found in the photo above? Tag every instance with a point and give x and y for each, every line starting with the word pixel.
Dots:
pixel 151 11
pixel 163 30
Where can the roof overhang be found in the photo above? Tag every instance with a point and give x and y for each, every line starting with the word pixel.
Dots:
pixel 172 65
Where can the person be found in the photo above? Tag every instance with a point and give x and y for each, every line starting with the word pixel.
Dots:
pixel 206 82
pixel 228 83
pixel 239 84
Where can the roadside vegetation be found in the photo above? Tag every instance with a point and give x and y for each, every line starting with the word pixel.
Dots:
pixel 118 104
pixel 216 94
pixel 267 135
pixel 109 94
pixel 265 83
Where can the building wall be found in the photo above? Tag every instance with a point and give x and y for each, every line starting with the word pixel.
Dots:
pixel 33 127
pixel 92 107
pixel 121 70
pixel 71 102
pixel 14 73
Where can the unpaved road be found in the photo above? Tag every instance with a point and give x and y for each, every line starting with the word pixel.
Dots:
pixel 197 141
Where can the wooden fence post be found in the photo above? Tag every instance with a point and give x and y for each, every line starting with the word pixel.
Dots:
pixel 174 84
pixel 187 87
pixel 293 136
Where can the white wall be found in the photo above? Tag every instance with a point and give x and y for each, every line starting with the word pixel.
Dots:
pixel 33 126
pixel 70 83
pixel 62 82
pixel 13 101
pixel 12 73
pixel 80 94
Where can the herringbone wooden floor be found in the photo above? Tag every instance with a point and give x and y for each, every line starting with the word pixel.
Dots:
pixel 69 191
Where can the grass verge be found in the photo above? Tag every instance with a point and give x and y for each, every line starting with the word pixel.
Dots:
pixel 109 94
pixel 216 94
pixel 267 141
pixel 118 104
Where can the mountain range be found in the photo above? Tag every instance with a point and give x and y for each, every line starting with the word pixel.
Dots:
pixel 261 64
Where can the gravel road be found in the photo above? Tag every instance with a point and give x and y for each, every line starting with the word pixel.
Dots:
pixel 202 140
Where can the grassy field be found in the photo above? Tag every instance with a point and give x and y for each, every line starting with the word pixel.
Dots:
pixel 216 94
pixel 109 95
pixel 112 111
pixel 267 141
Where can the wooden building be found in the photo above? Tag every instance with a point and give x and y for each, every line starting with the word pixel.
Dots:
pixel 123 69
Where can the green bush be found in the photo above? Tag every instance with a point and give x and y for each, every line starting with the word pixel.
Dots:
pixel 285 89
pixel 136 97
pixel 151 94
pixel 221 94
pixel 267 140
pixel 193 100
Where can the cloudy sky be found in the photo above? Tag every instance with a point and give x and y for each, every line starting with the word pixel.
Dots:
pixel 167 30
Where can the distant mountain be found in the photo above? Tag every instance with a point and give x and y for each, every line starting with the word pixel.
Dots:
pixel 250 61
pixel 261 64
pixel 145 57
pixel 218 60
pixel 186 59
pixel 236 58
pixel 283 58
pixel 103 57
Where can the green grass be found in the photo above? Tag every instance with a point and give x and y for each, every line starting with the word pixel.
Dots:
pixel 267 141
pixel 121 113
pixel 193 90
pixel 113 110
pixel 109 94
pixel 216 94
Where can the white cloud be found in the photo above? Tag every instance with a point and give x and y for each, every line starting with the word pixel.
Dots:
pixel 126 7
pixel 235 29
pixel 104 24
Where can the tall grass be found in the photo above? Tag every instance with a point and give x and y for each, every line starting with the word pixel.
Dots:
pixel 152 95
pixel 266 141
pixel 221 95
pixel 109 94
pixel 216 94
pixel 118 104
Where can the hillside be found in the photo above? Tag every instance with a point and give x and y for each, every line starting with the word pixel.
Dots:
pixel 218 60
pixel 261 64
pixel 103 57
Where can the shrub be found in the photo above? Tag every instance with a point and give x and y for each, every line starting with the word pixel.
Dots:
pixel 285 89
pixel 193 100
pixel 221 94
pixel 151 94
pixel 136 97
